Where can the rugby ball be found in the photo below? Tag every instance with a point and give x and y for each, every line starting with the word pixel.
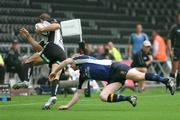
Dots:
pixel 42 25
pixel 39 25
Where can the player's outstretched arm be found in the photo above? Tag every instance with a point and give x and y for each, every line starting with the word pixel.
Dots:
pixel 55 70
pixel 25 33
pixel 51 27
pixel 73 101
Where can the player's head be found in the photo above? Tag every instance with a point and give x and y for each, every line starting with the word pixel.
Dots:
pixel 44 17
pixel 146 46
pixel 73 65
pixel 139 28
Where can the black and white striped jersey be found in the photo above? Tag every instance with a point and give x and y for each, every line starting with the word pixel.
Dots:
pixel 52 36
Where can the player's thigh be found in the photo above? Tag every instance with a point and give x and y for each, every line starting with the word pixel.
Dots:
pixel 35 59
pixel 175 66
pixel 135 75
pixel 111 88
pixel 142 69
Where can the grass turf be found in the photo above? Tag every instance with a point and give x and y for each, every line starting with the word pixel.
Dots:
pixel 153 104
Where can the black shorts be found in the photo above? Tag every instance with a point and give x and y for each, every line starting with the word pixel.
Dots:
pixel 52 53
pixel 176 56
pixel 118 73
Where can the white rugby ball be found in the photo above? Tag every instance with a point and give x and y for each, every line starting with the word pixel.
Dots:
pixel 39 25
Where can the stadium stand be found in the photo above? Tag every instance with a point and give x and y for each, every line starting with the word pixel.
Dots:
pixel 102 20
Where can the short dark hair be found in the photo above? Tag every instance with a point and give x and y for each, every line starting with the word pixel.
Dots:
pixel 44 16
pixel 15 41
pixel 138 24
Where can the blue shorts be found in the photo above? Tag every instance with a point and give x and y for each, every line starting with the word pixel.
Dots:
pixel 118 73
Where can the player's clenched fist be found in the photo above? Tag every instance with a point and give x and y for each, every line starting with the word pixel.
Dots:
pixel 52 76
pixel 24 32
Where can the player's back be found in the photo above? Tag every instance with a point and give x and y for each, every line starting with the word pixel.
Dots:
pixel 91 68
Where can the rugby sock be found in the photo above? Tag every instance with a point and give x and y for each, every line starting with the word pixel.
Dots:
pixel 178 80
pixel 27 70
pixel 155 77
pixel 172 75
pixel 117 98
pixel 54 87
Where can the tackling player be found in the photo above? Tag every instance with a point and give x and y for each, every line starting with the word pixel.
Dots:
pixel 114 72
pixel 50 51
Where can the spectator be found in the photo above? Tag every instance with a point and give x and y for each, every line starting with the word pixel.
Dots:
pixel 12 60
pixel 114 51
pixel 89 49
pixel 107 54
pixel 136 41
pixel 100 51
pixel 2 70
pixel 159 47
pixel 142 60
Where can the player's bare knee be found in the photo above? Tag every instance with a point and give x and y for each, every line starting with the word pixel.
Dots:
pixel 103 97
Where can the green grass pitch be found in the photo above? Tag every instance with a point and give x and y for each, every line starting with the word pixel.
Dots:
pixel 153 104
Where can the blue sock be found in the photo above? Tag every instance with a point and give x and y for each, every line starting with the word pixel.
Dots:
pixel 155 77
pixel 117 98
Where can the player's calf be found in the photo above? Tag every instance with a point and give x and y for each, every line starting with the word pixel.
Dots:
pixel 119 98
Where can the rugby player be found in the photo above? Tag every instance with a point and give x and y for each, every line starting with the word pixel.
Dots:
pixel 114 73
pixel 174 50
pixel 50 51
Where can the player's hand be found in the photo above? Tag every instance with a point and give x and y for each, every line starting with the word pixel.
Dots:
pixel 52 76
pixel 24 32
pixel 63 107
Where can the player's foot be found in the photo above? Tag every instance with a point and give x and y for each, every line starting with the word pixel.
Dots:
pixel 171 85
pixel 49 103
pixel 24 84
pixel 133 100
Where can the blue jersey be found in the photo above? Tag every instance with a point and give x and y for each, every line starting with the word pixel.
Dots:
pixel 92 68
pixel 103 70
pixel 137 41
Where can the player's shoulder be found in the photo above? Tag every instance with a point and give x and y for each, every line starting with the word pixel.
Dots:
pixel 83 57
pixel 143 33
pixel 133 34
